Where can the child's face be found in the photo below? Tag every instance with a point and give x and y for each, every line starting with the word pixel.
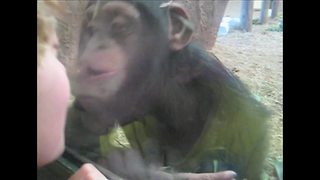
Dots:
pixel 53 93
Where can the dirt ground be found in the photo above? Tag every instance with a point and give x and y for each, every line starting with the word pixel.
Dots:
pixel 257 58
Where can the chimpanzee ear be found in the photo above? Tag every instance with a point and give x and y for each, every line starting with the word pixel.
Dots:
pixel 180 26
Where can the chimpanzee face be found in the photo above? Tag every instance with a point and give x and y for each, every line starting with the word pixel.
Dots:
pixel 108 42
pixel 122 45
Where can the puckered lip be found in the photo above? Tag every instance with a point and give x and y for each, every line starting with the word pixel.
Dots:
pixel 96 75
pixel 85 103
pixel 102 75
pixel 82 99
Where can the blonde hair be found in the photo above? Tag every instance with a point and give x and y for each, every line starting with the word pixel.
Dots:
pixel 48 11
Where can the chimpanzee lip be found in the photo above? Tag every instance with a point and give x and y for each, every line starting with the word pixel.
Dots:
pixel 105 74
pixel 78 105
pixel 81 100
pixel 102 75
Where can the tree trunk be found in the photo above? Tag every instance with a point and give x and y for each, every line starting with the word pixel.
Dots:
pixel 275 8
pixel 264 14
pixel 246 15
pixel 69 32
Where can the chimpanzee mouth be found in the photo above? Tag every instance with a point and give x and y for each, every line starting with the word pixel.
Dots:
pixel 78 105
pixel 85 103
pixel 95 75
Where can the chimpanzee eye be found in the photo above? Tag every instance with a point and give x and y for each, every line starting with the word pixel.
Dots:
pixel 90 30
pixel 120 28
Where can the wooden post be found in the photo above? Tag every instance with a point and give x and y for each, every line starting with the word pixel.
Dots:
pixel 275 8
pixel 264 15
pixel 218 13
pixel 246 15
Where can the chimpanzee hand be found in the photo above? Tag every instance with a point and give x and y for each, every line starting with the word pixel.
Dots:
pixel 223 175
pixel 130 165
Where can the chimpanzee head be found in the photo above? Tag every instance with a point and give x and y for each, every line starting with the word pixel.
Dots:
pixel 124 55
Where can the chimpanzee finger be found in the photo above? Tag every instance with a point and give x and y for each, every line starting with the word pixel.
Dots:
pixel 224 175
